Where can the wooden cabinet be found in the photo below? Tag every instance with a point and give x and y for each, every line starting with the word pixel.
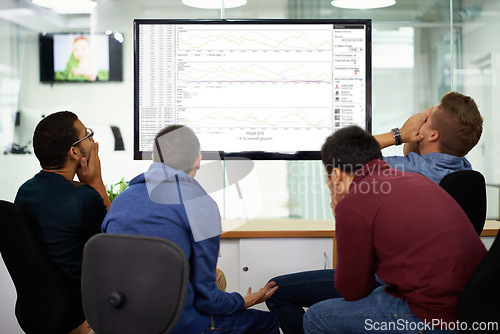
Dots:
pixel 252 262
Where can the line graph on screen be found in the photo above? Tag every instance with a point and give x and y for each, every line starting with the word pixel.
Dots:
pixel 253 117
pixel 254 40
pixel 255 72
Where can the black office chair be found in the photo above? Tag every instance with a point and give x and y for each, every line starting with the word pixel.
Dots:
pixel 480 299
pixel 133 284
pixel 42 294
pixel 468 188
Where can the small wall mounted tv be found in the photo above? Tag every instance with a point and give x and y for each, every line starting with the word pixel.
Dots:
pixel 80 57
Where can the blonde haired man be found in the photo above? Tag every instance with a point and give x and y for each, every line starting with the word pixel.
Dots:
pixel 437 139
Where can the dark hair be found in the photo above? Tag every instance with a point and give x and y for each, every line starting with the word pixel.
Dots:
pixel 349 149
pixel 458 123
pixel 53 138
pixel 176 146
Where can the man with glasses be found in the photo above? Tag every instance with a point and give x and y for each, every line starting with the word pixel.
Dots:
pixel 65 213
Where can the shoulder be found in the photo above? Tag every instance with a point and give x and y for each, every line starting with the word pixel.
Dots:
pixel 24 193
pixel 39 179
pixel 43 184
pixel 451 161
pixel 410 159
pixel 86 190
pixel 24 188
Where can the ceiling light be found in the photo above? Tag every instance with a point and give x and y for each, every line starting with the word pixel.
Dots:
pixel 214 4
pixel 362 4
pixel 67 6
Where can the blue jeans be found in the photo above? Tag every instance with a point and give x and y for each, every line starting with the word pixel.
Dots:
pixel 244 322
pixel 299 290
pixel 379 312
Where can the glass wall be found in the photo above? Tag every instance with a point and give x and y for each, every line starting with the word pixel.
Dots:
pixel 412 68
pixel 476 73
pixel 411 52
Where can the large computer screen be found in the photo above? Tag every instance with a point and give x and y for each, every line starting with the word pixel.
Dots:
pixel 260 89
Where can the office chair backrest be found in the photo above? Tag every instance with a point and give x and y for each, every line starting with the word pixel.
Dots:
pixel 42 294
pixel 468 188
pixel 480 299
pixel 133 284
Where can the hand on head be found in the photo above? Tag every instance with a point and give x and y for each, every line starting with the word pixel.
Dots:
pixel 338 184
pixel 90 169
pixel 410 130
pixel 89 172
pixel 333 203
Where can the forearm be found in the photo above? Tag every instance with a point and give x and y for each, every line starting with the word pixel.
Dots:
pixel 385 140
pixel 354 279
pixel 89 172
pixel 101 189
pixel 409 131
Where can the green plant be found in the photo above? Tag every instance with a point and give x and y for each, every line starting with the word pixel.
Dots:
pixel 115 189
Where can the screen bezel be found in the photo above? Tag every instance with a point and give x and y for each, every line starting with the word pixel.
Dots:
pixel 46 58
pixel 254 155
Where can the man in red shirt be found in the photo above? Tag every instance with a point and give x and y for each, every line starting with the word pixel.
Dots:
pixel 403 228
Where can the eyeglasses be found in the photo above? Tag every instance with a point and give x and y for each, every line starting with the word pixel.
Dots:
pixel 90 133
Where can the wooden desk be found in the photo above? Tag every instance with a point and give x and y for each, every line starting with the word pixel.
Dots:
pixel 491 228
pixel 278 228
pixel 282 228
pixel 299 228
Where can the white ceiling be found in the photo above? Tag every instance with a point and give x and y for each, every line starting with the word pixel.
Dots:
pixel 30 16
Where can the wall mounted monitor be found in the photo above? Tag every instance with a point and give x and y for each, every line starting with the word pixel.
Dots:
pixel 259 89
pixel 80 57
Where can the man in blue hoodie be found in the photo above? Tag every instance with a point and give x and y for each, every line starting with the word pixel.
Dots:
pixel 167 202
pixel 436 142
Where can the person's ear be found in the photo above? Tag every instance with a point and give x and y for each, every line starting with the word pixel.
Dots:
pixel 197 162
pixel 433 136
pixel 74 153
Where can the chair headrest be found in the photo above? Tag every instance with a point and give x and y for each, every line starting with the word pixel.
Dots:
pixel 133 284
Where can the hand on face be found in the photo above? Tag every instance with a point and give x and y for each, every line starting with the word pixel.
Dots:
pixel 410 130
pixel 90 168
pixel 337 189
pixel 333 203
